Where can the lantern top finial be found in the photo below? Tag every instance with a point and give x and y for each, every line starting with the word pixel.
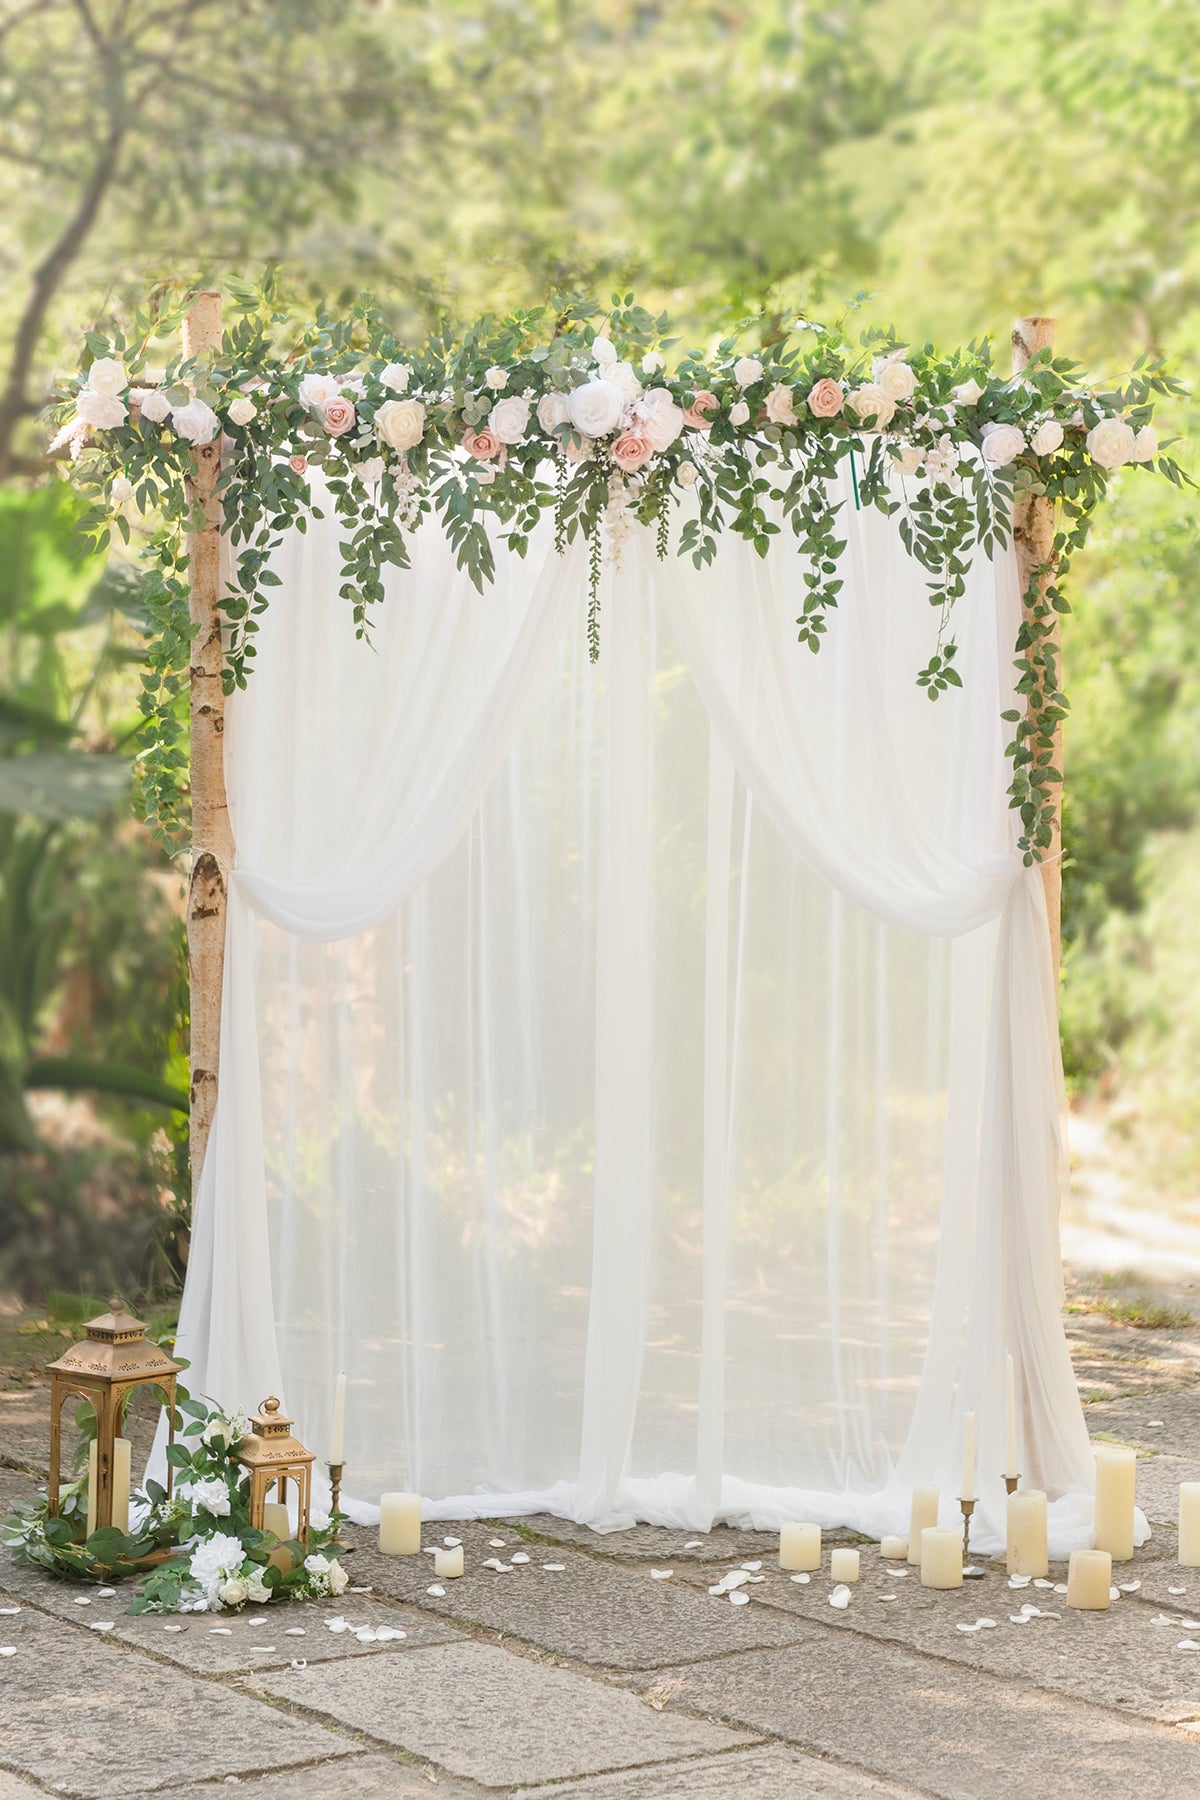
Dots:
pixel 115 1349
pixel 270 1442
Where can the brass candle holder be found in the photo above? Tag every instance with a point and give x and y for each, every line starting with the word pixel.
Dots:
pixel 335 1498
pixel 1012 1482
pixel 971 1571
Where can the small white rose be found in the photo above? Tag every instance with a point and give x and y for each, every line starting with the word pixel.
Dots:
pixel 747 370
pixel 396 376
pixel 370 470
pixel 966 393
pixel 107 376
pixel 102 411
pixel 686 473
pixel 1145 445
pixel 906 458
pixel 739 412
pixel 317 391
pixel 121 490
pixel 496 378
pixel 873 402
pixel 400 423
pixel 780 406
pixel 509 419
pixel 155 405
pixel 653 363
pixel 1047 438
pixel 596 407
pixel 1111 443
pixel 553 410
pixel 213 1496
pixel 232 1593
pixel 1002 443
pixel 242 411
pixel 256 1588
pixel 623 375
pixel 317 1565
pixel 897 379
pixel 197 422
pixel 603 351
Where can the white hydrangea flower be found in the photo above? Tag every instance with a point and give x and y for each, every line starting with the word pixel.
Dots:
pixel 213 1496
pixel 214 1561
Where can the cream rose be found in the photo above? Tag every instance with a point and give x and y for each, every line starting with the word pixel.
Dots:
pixel 747 370
pixel 400 423
pixel 155 405
pixel 661 419
pixel 509 419
pixel 624 376
pixel 897 379
pixel 1145 445
pixel 1047 437
pixel 396 376
pixel 339 416
pixel 596 407
pixel 780 407
pixel 652 363
pixel 101 411
pixel 739 413
pixel 496 378
pixel 1002 443
pixel 1111 443
pixel 121 490
pixel 197 422
pixel 338 1578
pixel 966 393
pixel 242 411
pixel 632 450
pixel 232 1593
pixel 317 391
pixel 906 458
pixel 686 474
pixel 825 399
pixel 872 402
pixel 107 376
pixel 553 410
pixel 603 351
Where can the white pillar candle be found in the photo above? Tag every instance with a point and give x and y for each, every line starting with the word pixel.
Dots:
pixel 92 1477
pixel 1010 1416
pixel 967 1492
pixel 924 1512
pixel 275 1518
pixel 844 1564
pixel 894 1548
pixel 122 1455
pixel 338 1432
pixel 941 1557
pixel 1116 1482
pixel 800 1547
pixel 400 1524
pixel 448 1562
pixel 1089 1577
pixel 1027 1533
pixel 1189 1524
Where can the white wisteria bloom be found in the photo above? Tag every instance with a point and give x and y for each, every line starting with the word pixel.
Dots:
pixel 1111 443
pixel 197 422
pixel 554 409
pixel 653 363
pixel 603 350
pixel 966 393
pixel 213 1496
pixel 101 411
pixel 596 407
pixel 396 376
pixel 1002 443
pixel 496 378
pixel 107 376
pixel 747 370
pixel 317 391
pixel 509 419
pixel 1046 437
pixel 1145 445
pixel 941 463
pixel 155 405
pixel 242 411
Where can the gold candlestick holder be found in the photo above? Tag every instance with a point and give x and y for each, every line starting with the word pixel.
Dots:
pixel 1012 1482
pixel 335 1496
pixel 971 1571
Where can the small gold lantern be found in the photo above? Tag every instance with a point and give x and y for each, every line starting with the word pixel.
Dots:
pixel 273 1455
pixel 114 1358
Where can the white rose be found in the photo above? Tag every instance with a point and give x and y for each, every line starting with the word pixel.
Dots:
pixel 747 370
pixel 256 1588
pixel 155 405
pixel 509 419
pixel 213 1496
pixel 242 411
pixel 596 407
pixel 317 1565
pixel 1047 437
pixel 780 409
pixel 553 410
pixel 121 490
pixel 1145 445
pixel 1002 443
pixel 102 411
pixel 400 423
pixel 107 376
pixel 906 458
pixel 1111 443
pixel 370 470
pixel 897 380
pixel 966 393
pixel 496 378
pixel 197 422
pixel 873 402
pixel 652 363
pixel 338 1578
pixel 232 1593
pixel 603 351
pixel 317 391
pixel 739 413
pixel 686 473
pixel 396 377
pixel 661 419
pixel 625 377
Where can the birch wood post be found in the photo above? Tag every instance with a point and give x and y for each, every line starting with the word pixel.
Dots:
pixel 1033 536
pixel 212 838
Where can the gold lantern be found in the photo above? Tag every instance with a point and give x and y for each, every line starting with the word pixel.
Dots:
pixel 273 1456
pixel 114 1358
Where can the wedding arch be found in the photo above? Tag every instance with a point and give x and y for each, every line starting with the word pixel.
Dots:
pixel 637 1037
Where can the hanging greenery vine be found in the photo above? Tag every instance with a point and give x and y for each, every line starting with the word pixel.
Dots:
pixel 603 420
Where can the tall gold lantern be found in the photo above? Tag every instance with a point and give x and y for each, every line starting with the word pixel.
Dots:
pixel 274 1457
pixel 114 1358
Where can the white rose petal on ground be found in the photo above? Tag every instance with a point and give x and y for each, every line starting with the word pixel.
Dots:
pixel 693 1544
pixel 173 1628
pixel 438 1592
pixel 293 1631
pixel 496 1543
pixel 1129 1587
pixel 453 1543
pixel 367 1635
pixel 840 1598
pixel 519 1557
pixel 299 1662
pixel 82 1600
pixel 1041 1582
pixel 1060 1587
pixel 262 1649
pixel 661 1574
pixel 220 1631
pixel 8 1649
pixel 802 1579
pixel 9 1611
pixel 554 1568
pixel 1187 1644
pixel 101 1624
pixel 718 1589
pixel 752 1567
pixel 105 1593
pixel 1181 1590
pixel 737 1598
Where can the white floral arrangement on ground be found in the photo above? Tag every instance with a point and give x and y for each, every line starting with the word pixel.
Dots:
pixel 606 422
pixel 194 1550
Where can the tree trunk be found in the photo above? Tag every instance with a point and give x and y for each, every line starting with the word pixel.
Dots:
pixel 1033 535
pixel 212 838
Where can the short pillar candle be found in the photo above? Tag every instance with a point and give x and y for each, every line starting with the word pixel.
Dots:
pixel 924 1512
pixel 1026 1533
pixel 941 1557
pixel 844 1564
pixel 1116 1483
pixel 1189 1524
pixel 400 1524
pixel 895 1549
pixel 448 1563
pixel 1089 1578
pixel 275 1518
pixel 800 1547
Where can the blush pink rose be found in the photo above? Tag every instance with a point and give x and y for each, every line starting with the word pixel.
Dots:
pixel 632 450
pixel 339 416
pixel 695 415
pixel 485 445
pixel 825 399
pixel 297 464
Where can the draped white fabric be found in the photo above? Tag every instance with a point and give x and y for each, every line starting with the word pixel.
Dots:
pixel 641 1079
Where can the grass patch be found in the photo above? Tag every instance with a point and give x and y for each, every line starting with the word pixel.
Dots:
pixel 1145 1315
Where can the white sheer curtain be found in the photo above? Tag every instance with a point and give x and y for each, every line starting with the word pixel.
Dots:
pixel 643 1079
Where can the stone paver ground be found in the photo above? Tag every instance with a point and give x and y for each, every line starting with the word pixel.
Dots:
pixel 592 1680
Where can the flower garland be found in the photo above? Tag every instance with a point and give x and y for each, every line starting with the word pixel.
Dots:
pixel 218 1561
pixel 604 423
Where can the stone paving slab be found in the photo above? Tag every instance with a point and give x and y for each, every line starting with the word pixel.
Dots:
pixel 591 1609
pixel 92 1719
pixel 1113 1358
pixel 653 1543
pixel 1158 1479
pixel 13 1788
pixel 1121 1658
pixel 349 1778
pixel 498 1718
pixel 772 1773
pixel 955 1733
pixel 1167 1422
